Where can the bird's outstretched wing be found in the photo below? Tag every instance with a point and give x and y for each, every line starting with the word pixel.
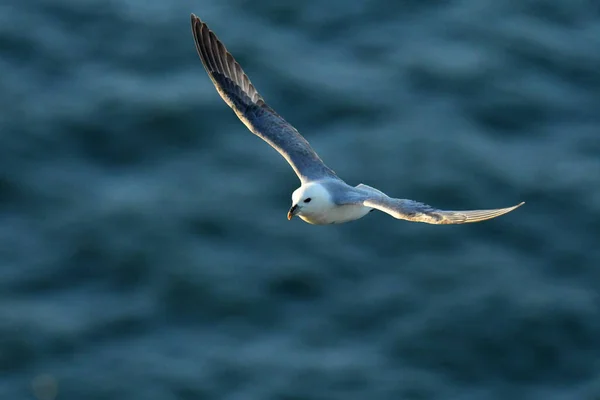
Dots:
pixel 238 92
pixel 411 210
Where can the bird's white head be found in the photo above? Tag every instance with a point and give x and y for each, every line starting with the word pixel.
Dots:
pixel 310 202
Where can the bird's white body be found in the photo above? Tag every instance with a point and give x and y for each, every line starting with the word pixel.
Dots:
pixel 336 215
pixel 322 210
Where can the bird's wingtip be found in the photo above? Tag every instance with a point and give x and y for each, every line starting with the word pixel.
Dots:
pixel 194 18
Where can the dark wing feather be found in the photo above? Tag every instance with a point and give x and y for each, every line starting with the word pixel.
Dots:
pixel 238 92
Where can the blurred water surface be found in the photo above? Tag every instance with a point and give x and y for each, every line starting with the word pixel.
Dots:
pixel 144 249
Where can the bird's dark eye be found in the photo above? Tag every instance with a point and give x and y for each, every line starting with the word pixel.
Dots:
pixel 307 200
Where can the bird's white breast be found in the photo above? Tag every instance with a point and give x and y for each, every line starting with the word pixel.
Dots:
pixel 336 214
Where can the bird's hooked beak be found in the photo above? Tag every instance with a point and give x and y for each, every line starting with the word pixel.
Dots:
pixel 293 211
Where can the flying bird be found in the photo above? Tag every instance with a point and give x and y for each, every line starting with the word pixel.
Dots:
pixel 322 198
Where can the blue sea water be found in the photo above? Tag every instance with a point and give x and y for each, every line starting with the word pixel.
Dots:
pixel 144 249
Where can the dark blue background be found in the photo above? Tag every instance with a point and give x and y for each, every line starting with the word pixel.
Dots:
pixel 144 249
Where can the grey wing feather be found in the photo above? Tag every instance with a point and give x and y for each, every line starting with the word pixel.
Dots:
pixel 411 210
pixel 238 92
